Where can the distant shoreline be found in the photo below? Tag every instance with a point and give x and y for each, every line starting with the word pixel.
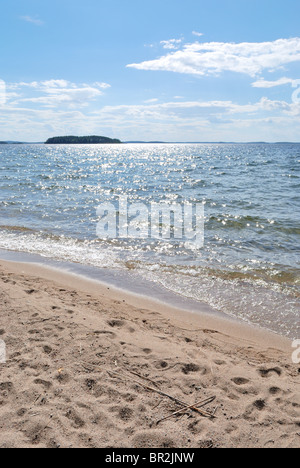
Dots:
pixel 163 143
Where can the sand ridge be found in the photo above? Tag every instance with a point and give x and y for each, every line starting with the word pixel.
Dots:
pixel 77 363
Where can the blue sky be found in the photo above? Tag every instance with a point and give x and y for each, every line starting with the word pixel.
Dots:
pixel 193 70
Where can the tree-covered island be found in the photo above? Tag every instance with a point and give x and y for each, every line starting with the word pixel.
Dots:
pixel 85 140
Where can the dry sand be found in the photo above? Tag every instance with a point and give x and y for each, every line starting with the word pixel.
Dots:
pixel 78 354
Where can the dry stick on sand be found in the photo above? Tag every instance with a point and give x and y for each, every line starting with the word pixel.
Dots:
pixel 197 405
pixel 179 402
pixel 142 377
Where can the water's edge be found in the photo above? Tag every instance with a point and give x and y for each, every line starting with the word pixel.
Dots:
pixel 126 281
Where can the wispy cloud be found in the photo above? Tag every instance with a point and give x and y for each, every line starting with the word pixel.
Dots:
pixel 216 57
pixel 171 44
pixel 191 111
pixel 33 20
pixel 272 84
pixel 55 93
pixel 38 109
pixel 151 101
pixel 198 34
pixel 190 120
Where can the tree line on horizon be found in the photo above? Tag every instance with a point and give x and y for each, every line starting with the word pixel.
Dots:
pixel 73 140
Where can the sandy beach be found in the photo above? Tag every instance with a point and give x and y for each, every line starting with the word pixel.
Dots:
pixel 89 366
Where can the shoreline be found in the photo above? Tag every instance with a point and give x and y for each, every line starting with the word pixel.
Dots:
pixel 138 291
pixel 117 279
pixel 203 316
pixel 82 359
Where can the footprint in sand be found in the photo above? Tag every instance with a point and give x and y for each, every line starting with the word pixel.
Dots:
pixel 125 414
pixel 105 332
pixel 44 383
pixel 153 439
pixel 90 384
pixel 63 378
pixel 21 412
pixel 251 412
pixel 259 405
pixel 265 373
pixel 34 332
pixel 274 391
pixel 161 365
pixel 219 362
pixel 76 420
pixel 35 432
pixel 47 349
pixel 240 381
pixel 189 368
pixel 6 388
pixel 115 323
pixel 188 340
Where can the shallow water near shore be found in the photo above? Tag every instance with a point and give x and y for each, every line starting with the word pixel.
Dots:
pixel 128 282
pixel 249 266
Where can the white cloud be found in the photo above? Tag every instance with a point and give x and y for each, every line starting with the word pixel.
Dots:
pixel 189 110
pixel 171 44
pixel 216 57
pixel 22 84
pixel 56 84
pixel 198 34
pixel 170 121
pixel 53 93
pixel 151 101
pixel 272 84
pixel 37 110
pixel 101 85
pixel 30 19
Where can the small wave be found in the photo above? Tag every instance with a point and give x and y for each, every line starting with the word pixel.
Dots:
pixel 16 228
pixel 267 297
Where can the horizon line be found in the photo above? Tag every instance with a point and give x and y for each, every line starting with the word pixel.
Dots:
pixel 21 142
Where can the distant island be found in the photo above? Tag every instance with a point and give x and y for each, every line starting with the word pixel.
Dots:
pixel 85 140
pixel 11 143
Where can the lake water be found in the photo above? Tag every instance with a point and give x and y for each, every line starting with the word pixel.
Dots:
pixel 249 265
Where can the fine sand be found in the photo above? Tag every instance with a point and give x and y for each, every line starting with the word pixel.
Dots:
pixel 80 356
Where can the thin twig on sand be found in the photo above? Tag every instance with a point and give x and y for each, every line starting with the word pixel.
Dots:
pixel 182 410
pixel 176 400
pixel 142 377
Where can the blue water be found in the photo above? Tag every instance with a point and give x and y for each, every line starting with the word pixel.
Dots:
pixel 249 266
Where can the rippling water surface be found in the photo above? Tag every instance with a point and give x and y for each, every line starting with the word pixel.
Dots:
pixel 249 266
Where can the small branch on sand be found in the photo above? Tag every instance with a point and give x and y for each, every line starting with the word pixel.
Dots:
pixel 142 377
pixel 182 410
pixel 179 402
